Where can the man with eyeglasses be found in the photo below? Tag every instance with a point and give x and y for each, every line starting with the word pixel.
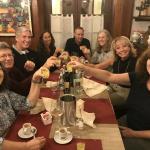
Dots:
pixel 16 81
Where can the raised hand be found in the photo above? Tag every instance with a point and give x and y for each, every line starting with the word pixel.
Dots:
pixel 29 65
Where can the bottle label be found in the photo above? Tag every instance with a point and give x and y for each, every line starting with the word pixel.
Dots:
pixel 69 68
pixel 66 85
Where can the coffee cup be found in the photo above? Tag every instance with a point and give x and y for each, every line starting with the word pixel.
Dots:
pixel 27 128
pixel 63 133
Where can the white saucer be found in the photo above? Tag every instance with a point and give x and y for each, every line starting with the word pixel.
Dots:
pixel 60 141
pixel 23 136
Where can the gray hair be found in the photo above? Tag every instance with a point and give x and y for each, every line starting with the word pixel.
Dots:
pixel 21 29
pixel 4 45
pixel 107 46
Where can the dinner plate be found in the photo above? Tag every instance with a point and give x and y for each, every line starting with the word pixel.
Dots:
pixel 23 136
pixel 58 140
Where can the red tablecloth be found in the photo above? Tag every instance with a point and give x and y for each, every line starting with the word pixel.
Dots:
pixel 102 109
pixel 47 92
pixel 89 145
pixel 35 120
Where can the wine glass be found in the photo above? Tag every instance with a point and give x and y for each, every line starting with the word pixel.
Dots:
pixel 86 74
pixel 57 113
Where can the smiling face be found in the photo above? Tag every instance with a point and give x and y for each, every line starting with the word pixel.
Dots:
pixel 102 39
pixel 6 58
pixel 148 66
pixel 122 49
pixel 46 39
pixel 1 75
pixel 23 40
pixel 79 35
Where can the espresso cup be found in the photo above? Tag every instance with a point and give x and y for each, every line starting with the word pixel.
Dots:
pixel 63 133
pixel 27 128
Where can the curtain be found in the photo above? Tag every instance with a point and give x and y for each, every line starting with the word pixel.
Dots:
pixel 92 24
pixel 62 29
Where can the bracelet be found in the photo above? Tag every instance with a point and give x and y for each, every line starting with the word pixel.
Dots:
pixel 36 82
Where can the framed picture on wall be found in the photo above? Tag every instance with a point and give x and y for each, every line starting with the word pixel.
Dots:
pixel 13 14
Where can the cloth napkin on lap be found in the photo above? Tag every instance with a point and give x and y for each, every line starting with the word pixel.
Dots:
pixel 93 88
pixel 39 107
pixel 49 103
pixel 88 118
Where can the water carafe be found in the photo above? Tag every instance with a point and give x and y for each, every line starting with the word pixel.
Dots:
pixel 68 105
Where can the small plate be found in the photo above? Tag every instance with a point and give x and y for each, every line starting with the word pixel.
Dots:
pixel 60 141
pixel 23 136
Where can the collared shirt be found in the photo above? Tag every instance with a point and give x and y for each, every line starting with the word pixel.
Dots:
pixel 22 52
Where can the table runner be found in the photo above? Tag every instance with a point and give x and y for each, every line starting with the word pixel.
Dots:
pixel 35 120
pixel 102 109
pixel 89 145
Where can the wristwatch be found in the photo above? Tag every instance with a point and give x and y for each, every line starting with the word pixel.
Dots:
pixel 1 141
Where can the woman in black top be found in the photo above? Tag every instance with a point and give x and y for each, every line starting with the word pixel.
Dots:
pixel 124 60
pixel 137 133
pixel 46 47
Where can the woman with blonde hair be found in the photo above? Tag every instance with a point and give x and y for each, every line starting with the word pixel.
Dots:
pixel 136 130
pixel 123 60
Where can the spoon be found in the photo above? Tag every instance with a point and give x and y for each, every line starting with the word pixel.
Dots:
pixel 33 130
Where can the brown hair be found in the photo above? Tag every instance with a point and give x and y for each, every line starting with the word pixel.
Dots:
pixel 141 66
pixel 127 41
pixel 4 45
pixel 80 28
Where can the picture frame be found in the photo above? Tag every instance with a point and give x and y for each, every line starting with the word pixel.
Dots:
pixel 13 14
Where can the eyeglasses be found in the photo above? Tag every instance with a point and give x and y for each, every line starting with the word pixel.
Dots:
pixel 5 56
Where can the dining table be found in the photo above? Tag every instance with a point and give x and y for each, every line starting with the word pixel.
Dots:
pixel 104 136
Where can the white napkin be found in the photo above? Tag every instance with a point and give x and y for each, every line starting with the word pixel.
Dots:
pixel 93 88
pixel 88 118
pixel 39 107
pixel 49 103
pixel 51 84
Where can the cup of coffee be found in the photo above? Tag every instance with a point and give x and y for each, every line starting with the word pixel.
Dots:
pixel 63 133
pixel 27 128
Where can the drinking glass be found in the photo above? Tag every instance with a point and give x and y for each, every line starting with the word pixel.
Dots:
pixel 86 74
pixel 57 113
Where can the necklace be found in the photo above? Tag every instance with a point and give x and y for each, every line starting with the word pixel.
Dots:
pixel 121 69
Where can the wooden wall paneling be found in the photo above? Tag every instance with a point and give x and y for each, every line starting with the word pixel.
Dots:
pixel 128 6
pixel 117 18
pixel 38 21
pixel 9 39
pixel 108 14
pixel 47 11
